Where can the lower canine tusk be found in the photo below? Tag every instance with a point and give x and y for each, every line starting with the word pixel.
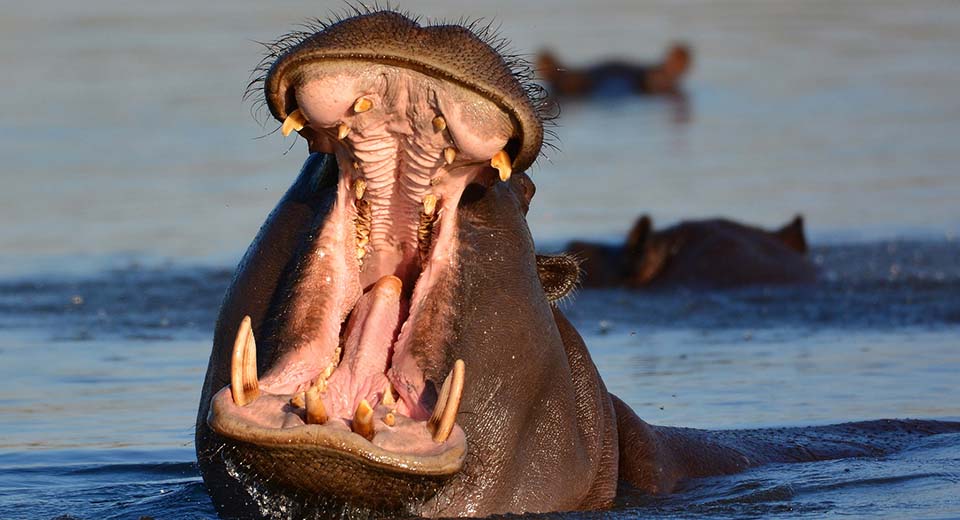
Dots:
pixel 243 367
pixel 293 123
pixel 448 404
pixel 501 161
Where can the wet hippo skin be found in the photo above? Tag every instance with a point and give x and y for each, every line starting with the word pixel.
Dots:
pixel 714 253
pixel 616 76
pixel 387 347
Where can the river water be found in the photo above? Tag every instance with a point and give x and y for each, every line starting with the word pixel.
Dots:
pixel 134 176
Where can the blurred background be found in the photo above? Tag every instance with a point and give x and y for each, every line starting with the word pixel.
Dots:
pixel 134 176
pixel 123 129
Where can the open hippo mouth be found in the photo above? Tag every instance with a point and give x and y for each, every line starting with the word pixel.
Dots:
pixel 358 382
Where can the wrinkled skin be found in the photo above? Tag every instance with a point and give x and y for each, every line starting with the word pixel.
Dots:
pixel 716 253
pixel 536 429
pixel 616 77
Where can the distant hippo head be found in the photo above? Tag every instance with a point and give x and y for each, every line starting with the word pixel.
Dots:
pixel 616 76
pixel 716 252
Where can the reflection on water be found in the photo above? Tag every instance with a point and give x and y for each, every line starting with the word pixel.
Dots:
pixel 133 178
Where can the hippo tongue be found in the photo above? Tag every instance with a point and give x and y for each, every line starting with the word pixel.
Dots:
pixel 367 346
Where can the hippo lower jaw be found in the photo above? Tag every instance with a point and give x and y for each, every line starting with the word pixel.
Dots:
pixel 346 392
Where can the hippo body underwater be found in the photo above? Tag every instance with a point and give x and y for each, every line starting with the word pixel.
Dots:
pixel 713 254
pixel 387 348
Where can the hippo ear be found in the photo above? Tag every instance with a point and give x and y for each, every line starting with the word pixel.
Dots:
pixel 638 235
pixel 793 235
pixel 558 274
pixel 677 60
pixel 547 65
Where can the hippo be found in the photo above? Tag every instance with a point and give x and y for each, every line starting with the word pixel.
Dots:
pixel 616 77
pixel 387 347
pixel 714 253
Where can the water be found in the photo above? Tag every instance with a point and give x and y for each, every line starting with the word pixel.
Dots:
pixel 132 181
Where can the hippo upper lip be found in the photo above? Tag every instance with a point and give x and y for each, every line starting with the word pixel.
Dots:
pixel 471 56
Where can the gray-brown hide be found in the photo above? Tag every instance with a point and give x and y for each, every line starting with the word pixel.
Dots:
pixel 542 433
pixel 713 253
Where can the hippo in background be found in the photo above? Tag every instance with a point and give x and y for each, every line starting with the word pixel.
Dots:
pixel 616 76
pixel 715 253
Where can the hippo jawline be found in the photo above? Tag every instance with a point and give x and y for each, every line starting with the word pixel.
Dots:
pixel 346 391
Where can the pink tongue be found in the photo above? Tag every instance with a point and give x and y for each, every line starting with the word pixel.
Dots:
pixel 371 330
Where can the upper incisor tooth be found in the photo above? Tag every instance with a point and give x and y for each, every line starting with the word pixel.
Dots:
pixel 244 386
pixel 342 131
pixel 501 161
pixel 439 124
pixel 293 123
pixel 452 406
pixel 449 154
pixel 362 105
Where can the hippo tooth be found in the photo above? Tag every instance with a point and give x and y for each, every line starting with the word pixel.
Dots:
pixel 429 204
pixel 450 396
pixel 439 124
pixel 316 412
pixel 362 423
pixel 387 399
pixel 501 161
pixel 297 401
pixel 243 368
pixel 293 123
pixel 441 404
pixel 361 252
pixel 449 154
pixel 362 105
pixel 342 131
pixel 359 187
pixel 389 419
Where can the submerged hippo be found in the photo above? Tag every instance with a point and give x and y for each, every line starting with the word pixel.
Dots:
pixel 616 77
pixel 715 253
pixel 387 348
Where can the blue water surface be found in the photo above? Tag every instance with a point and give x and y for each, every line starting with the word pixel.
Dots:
pixel 133 176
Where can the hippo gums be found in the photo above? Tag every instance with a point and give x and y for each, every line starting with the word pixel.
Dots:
pixel 387 347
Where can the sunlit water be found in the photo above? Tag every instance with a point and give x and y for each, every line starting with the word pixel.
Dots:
pixel 132 181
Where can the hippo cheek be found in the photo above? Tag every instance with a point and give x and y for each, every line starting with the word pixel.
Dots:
pixel 344 339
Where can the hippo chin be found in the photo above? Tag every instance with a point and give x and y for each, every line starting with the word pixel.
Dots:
pixel 714 253
pixel 387 347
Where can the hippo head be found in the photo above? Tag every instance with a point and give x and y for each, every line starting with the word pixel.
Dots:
pixel 386 345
